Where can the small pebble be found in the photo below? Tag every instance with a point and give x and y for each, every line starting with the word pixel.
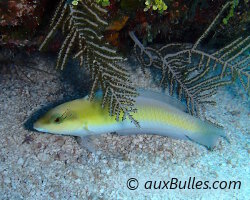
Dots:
pixel 77 173
pixel 20 161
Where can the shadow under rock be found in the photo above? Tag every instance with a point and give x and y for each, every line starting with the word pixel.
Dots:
pixel 76 77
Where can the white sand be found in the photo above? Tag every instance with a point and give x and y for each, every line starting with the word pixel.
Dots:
pixel 45 166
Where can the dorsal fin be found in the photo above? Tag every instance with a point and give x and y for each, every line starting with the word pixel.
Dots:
pixel 165 98
pixel 149 94
pixel 98 95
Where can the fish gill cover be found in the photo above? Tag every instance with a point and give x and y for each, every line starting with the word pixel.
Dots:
pixel 187 71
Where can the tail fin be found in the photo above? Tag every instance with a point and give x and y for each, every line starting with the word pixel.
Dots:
pixel 208 136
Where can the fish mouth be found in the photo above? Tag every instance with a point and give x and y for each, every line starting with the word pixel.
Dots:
pixel 38 128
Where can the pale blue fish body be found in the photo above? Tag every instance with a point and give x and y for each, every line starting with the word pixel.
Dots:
pixel 156 113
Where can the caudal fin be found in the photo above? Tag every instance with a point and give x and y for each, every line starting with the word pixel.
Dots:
pixel 208 136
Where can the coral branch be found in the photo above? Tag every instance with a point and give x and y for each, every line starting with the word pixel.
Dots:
pixel 83 26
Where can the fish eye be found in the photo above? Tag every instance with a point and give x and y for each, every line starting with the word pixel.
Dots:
pixel 57 120
pixel 60 118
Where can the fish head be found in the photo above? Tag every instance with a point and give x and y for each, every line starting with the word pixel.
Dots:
pixel 63 119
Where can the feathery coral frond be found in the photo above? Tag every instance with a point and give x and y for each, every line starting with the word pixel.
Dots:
pixel 194 74
pixel 83 25
pixel 185 71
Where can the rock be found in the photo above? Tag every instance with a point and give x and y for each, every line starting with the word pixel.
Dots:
pixel 20 161
pixel 7 180
pixel 235 113
pixel 43 157
pixel 77 173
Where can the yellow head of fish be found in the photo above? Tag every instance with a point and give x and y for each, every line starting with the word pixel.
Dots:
pixel 74 118
pixel 68 118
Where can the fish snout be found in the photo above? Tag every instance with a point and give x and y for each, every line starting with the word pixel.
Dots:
pixel 37 126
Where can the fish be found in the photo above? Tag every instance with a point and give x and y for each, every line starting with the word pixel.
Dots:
pixel 157 114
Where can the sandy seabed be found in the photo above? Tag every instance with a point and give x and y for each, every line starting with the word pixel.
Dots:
pixel 43 166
